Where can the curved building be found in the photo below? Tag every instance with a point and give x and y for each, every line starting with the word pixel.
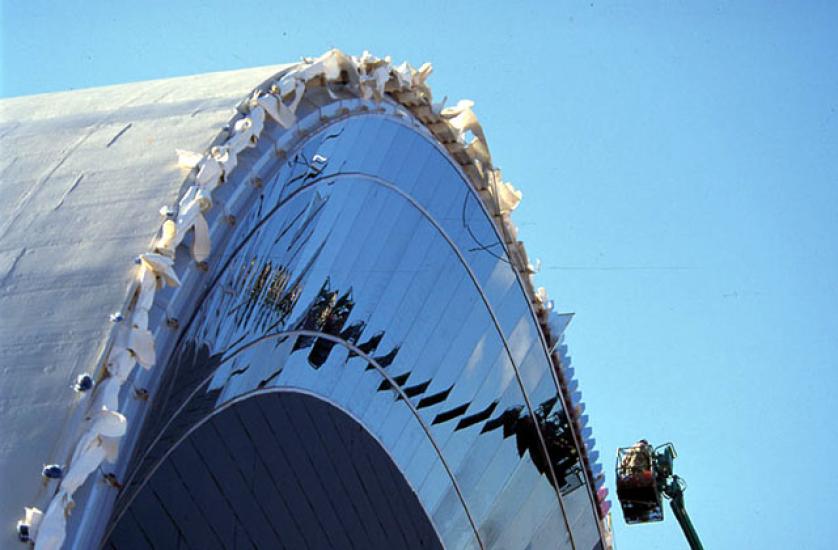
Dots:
pixel 327 337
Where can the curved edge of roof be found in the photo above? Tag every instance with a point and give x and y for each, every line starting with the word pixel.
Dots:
pixel 276 100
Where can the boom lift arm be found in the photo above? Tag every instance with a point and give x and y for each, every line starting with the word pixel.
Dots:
pixel 644 475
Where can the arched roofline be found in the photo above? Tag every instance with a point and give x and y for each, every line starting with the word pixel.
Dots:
pixel 311 85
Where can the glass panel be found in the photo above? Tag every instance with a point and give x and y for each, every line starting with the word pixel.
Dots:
pixel 330 247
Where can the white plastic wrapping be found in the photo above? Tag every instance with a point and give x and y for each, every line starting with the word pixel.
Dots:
pixel 120 364
pixel 190 217
pixel 209 172
pixel 107 395
pixel 140 342
pixel 53 526
pixel 162 266
pixel 132 343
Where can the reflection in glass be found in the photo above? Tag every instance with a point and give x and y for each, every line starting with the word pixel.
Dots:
pixel 368 276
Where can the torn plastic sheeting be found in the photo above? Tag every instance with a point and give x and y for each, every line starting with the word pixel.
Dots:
pixel 226 159
pixel 120 364
pixel 466 121
pixel 88 456
pixel 139 319
pixel 196 199
pixel 379 78
pixel 284 115
pixel 190 217
pixel 147 283
pixel 200 247
pixel 463 119
pixel 108 423
pixel 404 74
pixel 209 172
pixel 507 196
pixel 168 239
pixel 374 73
pixel 90 451
pixel 53 526
pixel 455 110
pixel 246 131
pixel 107 396
pixel 479 150
pixel 111 448
pixel 162 266
pixel 421 75
pixel 139 341
pixel 270 104
pixel 328 66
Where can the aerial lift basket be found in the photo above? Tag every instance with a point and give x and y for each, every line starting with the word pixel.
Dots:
pixel 637 484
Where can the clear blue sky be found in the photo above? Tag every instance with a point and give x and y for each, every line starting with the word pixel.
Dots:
pixel 680 174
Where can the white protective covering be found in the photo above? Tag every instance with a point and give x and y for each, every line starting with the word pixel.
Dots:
pixel 77 205
pixel 82 175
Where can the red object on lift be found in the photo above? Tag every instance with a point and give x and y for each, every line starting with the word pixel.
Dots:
pixel 637 487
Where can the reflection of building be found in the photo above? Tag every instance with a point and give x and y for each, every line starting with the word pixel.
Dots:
pixel 358 360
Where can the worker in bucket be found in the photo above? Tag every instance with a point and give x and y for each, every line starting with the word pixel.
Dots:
pixel 637 461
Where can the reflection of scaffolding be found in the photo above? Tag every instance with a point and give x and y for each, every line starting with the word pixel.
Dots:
pixel 555 430
pixel 329 311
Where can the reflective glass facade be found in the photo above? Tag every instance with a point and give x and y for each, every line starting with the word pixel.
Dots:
pixel 280 470
pixel 368 275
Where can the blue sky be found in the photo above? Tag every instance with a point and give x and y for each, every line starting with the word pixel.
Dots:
pixel 679 165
